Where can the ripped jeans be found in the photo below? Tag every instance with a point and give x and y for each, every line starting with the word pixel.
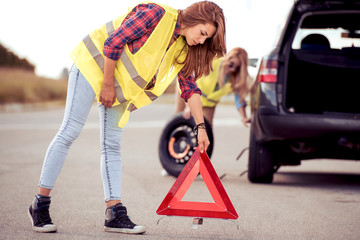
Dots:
pixel 80 97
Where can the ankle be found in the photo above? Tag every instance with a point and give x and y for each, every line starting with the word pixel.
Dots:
pixel 44 191
pixel 111 203
pixel 38 196
pixel 40 200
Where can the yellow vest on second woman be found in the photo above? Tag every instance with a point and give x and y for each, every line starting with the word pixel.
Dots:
pixel 211 93
pixel 133 71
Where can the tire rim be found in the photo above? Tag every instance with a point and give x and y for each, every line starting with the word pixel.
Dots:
pixel 181 143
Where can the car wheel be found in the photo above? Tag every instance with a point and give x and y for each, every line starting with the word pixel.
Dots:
pixel 261 166
pixel 177 143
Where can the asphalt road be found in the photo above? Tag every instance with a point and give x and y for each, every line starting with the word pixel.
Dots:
pixel 318 200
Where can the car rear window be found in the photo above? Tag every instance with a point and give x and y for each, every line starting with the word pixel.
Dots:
pixel 323 30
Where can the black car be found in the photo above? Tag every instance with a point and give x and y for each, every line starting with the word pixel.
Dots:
pixel 305 102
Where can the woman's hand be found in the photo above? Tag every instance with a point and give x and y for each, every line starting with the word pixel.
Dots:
pixel 245 121
pixel 107 96
pixel 203 140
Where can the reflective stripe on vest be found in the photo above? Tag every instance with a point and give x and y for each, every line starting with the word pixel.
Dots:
pixel 100 62
pixel 210 94
pixel 208 99
pixel 133 71
pixel 127 63
pixel 124 58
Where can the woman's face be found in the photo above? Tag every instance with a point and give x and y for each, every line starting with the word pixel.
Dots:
pixel 233 65
pixel 198 34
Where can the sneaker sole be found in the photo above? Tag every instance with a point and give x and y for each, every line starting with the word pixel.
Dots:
pixel 45 229
pixel 138 230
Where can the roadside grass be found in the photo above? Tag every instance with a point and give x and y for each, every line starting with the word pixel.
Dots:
pixel 21 86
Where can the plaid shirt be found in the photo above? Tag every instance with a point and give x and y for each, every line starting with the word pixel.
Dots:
pixel 134 31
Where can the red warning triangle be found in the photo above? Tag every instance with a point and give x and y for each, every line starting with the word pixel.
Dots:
pixel 220 208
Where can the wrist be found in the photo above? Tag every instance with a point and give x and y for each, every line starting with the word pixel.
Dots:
pixel 200 126
pixel 108 85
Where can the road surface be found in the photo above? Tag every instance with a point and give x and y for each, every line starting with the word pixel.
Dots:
pixel 318 200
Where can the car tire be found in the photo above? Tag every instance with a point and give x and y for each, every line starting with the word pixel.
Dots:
pixel 261 166
pixel 182 130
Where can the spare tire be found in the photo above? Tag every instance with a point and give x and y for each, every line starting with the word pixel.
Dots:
pixel 177 143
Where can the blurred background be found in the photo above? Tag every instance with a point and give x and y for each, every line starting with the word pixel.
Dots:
pixel 38 36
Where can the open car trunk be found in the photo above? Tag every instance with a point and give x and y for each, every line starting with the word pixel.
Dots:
pixel 323 81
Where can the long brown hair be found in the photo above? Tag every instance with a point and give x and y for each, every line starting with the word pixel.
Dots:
pixel 239 79
pixel 199 57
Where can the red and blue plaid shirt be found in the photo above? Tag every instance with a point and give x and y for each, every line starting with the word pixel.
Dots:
pixel 135 30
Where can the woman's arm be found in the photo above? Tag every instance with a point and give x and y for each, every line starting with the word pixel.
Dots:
pixel 196 110
pixel 107 94
pixel 245 120
pixel 138 23
pixel 191 94
pixel 143 19
pixel 241 107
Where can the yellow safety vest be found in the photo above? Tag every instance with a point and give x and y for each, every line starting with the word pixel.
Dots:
pixel 211 93
pixel 133 71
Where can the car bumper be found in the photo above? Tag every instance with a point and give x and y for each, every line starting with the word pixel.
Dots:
pixel 273 125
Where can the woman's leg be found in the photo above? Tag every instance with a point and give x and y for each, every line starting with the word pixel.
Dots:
pixel 80 97
pixel 110 140
pixel 116 218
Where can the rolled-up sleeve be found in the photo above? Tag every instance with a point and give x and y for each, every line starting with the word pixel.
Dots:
pixel 137 24
pixel 187 86
pixel 239 102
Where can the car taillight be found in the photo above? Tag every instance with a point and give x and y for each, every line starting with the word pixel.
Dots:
pixel 268 71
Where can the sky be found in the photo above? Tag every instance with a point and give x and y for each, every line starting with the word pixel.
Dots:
pixel 45 32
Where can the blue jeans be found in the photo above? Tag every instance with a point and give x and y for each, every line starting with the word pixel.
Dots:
pixel 80 97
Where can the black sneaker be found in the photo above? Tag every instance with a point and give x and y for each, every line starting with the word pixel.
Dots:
pixel 39 215
pixel 117 220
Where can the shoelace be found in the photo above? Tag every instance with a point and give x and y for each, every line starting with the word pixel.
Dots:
pixel 44 216
pixel 124 221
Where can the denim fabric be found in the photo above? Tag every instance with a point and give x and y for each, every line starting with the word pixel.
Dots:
pixel 110 139
pixel 239 102
pixel 80 97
